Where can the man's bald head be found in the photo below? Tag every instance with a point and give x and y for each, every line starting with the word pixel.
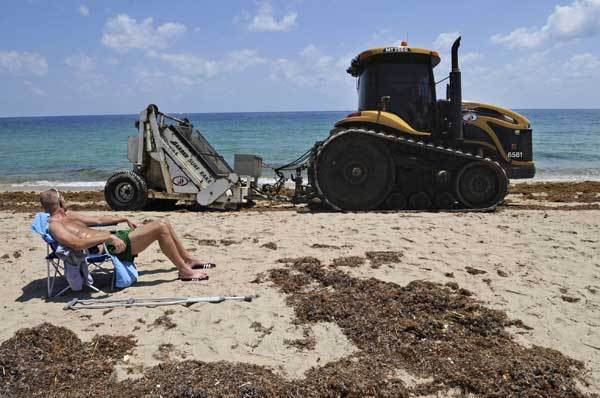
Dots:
pixel 50 201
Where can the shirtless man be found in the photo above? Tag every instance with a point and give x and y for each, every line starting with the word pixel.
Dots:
pixel 72 230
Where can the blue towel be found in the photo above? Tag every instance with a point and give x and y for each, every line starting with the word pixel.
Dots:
pixel 39 225
pixel 126 274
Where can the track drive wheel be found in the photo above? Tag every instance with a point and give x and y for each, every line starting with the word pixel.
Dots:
pixel 355 172
pixel 126 190
pixel 480 185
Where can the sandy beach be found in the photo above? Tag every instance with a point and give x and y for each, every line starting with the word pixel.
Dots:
pixel 534 259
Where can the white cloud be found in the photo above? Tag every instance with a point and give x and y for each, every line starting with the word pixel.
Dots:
pixel 583 66
pixel 91 82
pixel 192 69
pixel 81 63
pixel 576 20
pixel 23 63
pixel 83 10
pixel 190 65
pixel 469 58
pixel 123 33
pixel 521 37
pixel 445 40
pixel 312 68
pixel 34 89
pixel 241 59
pixel 265 21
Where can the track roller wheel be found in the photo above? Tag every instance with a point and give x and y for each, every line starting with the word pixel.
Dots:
pixel 355 172
pixel 444 200
pixel 126 190
pixel 419 201
pixel 481 185
pixel 396 201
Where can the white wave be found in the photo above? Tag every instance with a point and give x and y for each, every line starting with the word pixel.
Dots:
pixel 59 184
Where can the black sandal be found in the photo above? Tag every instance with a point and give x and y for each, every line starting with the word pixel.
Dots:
pixel 204 266
pixel 204 278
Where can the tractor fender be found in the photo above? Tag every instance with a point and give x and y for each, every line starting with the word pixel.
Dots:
pixel 381 118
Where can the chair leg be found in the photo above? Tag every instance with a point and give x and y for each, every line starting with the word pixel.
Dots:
pixel 94 288
pixel 62 291
pixel 51 280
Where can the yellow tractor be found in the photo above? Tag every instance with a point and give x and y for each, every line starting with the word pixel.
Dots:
pixel 403 148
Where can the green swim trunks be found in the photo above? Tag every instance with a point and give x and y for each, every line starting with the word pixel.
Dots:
pixel 126 254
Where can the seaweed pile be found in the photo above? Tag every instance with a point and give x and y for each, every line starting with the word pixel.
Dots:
pixel 438 335
pixel 51 361
pixel 583 195
pixel 571 195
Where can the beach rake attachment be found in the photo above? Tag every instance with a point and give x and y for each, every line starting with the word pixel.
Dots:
pixel 127 302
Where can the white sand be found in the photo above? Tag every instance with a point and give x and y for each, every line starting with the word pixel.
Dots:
pixel 546 254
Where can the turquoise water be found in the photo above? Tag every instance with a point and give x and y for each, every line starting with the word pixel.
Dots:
pixel 84 150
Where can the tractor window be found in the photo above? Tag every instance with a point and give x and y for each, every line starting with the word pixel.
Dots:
pixel 409 86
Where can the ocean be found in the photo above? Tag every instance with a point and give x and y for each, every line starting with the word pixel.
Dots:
pixel 82 151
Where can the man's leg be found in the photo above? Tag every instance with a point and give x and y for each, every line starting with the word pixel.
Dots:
pixel 182 251
pixel 159 231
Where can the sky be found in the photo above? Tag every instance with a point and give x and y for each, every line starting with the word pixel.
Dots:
pixel 116 56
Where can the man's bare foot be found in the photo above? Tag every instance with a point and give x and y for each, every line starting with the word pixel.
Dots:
pixel 196 260
pixel 192 276
pixel 198 263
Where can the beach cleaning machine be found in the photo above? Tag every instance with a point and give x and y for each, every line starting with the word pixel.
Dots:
pixel 173 161
pixel 402 149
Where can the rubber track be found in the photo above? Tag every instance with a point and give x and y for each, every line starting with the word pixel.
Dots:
pixel 409 141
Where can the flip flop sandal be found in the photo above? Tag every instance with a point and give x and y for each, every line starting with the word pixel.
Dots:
pixel 204 266
pixel 204 278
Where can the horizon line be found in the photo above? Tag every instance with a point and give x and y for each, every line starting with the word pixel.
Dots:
pixel 229 112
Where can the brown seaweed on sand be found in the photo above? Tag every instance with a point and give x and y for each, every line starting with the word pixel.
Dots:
pixel 383 257
pixel 435 334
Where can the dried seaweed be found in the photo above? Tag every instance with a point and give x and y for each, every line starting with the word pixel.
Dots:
pixel 431 331
pixel 165 321
pixel 475 271
pixel 379 258
pixel 51 361
pixel 323 246
pixel 269 245
pixel 306 343
pixel 350 261
pixel 164 352
pixel 434 333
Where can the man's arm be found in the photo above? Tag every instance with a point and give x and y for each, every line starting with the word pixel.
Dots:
pixel 92 221
pixel 69 239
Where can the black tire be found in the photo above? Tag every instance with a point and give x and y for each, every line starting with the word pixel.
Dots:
pixel 396 201
pixel 126 190
pixel 481 185
pixel 444 201
pixel 355 172
pixel 419 201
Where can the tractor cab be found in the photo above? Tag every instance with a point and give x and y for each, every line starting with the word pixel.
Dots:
pixel 398 80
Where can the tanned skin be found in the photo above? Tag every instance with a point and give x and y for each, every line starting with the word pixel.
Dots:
pixel 72 230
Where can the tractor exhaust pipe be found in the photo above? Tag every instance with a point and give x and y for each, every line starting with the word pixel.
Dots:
pixel 456 95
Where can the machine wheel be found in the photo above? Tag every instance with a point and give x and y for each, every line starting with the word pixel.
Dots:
pixel 126 190
pixel 444 200
pixel 419 201
pixel 396 201
pixel 355 172
pixel 480 185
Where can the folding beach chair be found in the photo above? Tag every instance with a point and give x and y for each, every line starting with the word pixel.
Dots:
pixel 93 262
